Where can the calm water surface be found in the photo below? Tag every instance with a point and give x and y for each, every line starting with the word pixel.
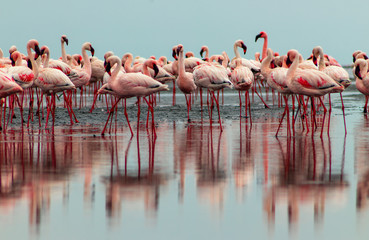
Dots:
pixel 191 182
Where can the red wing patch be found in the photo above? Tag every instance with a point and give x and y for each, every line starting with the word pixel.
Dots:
pixel 304 83
pixel 26 77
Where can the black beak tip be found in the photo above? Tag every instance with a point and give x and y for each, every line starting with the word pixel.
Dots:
pixel 156 70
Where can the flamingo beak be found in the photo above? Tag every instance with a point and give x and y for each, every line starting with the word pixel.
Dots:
pixel 257 37
pixel 174 55
pixel 315 61
pixel 288 61
pixel 156 70
pixel 13 62
pixel 38 52
pixel 92 51
pixel 108 68
pixel 29 63
pixel 353 59
pixel 66 40
pixel 365 57
pixel 357 72
pixel 178 50
pixel 220 61
pixel 201 52
pixel 244 48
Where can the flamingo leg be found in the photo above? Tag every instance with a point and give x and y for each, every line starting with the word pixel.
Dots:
pixel 261 98
pixel 110 113
pixel 343 111
pixel 217 105
pixel 126 115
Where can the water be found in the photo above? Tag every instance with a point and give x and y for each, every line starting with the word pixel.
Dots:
pixel 191 182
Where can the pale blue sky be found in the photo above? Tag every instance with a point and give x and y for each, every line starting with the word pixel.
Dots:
pixel 152 27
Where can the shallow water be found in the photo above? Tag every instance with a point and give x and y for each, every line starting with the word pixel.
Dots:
pixel 192 181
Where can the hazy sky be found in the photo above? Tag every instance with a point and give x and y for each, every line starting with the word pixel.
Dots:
pixel 152 27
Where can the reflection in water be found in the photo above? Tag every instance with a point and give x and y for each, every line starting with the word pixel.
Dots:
pixel 295 175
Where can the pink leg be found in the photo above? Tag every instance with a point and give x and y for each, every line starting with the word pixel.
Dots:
pixel 343 111
pixel 110 113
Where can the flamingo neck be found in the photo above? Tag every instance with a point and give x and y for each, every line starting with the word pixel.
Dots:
pixel 127 64
pixel 236 51
pixel 1 53
pixel 64 54
pixel 206 52
pixel 265 64
pixel 145 69
pixel 291 71
pixel 86 61
pixel 284 63
pixel 321 63
pixel 181 64
pixel 175 67
pixel 265 48
pixel 118 66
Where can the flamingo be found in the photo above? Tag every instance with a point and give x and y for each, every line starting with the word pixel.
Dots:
pixel 162 75
pixel 52 81
pixel 242 79
pixel 185 80
pixel 362 79
pixel 22 75
pixel 337 73
pixel 126 85
pixel 276 79
pixel 308 82
pixel 212 77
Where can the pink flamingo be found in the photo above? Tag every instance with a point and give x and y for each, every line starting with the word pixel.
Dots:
pixel 185 80
pixel 126 85
pixel 276 79
pixel 308 82
pixel 7 88
pixel 337 73
pixel 212 77
pixel 52 81
pixel 242 79
pixel 22 75
pixel 362 79
pixel 265 44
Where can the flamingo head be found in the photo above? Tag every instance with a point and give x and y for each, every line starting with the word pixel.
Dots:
pixel 179 49
pixel 360 66
pixel 33 44
pixel 151 63
pixel 174 52
pixel 203 49
pixel 107 66
pixel 88 46
pixel 241 44
pixel 44 50
pixel 77 58
pixel 261 35
pixel 189 54
pixel 64 39
pixel 220 59
pixel 12 49
pixel 14 57
pixel 291 55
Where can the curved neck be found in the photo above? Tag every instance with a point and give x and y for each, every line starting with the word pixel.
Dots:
pixel 265 47
pixel 236 51
pixel 145 69
pixel 1 53
pixel 116 70
pixel 64 54
pixel 127 64
pixel 284 63
pixel 86 61
pixel 265 64
pixel 292 69
pixel 46 61
pixel 181 65
pixel 206 52
pixel 321 64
